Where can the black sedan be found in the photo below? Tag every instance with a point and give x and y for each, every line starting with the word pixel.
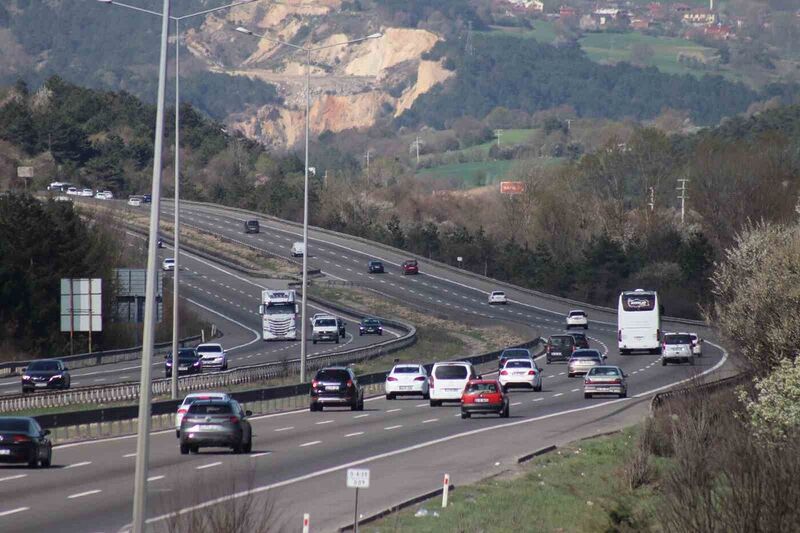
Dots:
pixel 189 362
pixel 375 267
pixel 45 374
pixel 370 326
pixel 22 440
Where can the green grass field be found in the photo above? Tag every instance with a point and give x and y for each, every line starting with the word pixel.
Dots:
pixel 470 174
pixel 577 488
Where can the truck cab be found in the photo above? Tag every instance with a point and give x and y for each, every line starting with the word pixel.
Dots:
pixel 278 312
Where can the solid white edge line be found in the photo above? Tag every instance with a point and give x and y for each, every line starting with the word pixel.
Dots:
pixel 82 494
pixel 9 478
pixel 12 511
pixel 421 445
pixel 209 465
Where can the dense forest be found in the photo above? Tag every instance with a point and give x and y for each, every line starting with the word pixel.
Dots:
pixel 523 74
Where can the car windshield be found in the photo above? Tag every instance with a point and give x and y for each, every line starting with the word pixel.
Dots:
pixel 14 425
pixel 335 375
pixel 577 313
pixel 280 309
pixel 517 352
pixel 584 357
pixel 189 400
pixel 209 349
pixel 451 372
pixel 411 263
pixel 405 370
pixel 481 387
pixel 638 302
pixel 498 293
pixel 562 341
pixel 677 339
pixel 375 263
pixel 326 322
pixel 202 408
pixel 187 354
pixel 518 364
pixel 372 322
pixel 604 371
pixel 40 366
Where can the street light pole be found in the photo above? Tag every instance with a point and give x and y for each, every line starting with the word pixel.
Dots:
pixel 143 440
pixel 307 50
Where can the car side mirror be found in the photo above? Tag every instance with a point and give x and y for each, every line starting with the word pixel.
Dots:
pixel 46 432
pixel 248 413
pixel 478 377
pixel 66 369
pixel 23 369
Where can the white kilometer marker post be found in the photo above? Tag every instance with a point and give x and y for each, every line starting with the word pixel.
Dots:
pixel 306 522
pixel 357 478
pixel 445 490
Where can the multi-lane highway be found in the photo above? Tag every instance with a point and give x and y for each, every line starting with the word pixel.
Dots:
pixel 299 458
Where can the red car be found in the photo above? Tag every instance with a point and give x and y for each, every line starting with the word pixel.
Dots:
pixel 410 267
pixel 482 396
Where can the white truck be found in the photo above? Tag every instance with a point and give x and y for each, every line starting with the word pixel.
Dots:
pixel 278 312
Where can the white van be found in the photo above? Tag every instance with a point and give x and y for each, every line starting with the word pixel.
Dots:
pixel 298 249
pixel 448 380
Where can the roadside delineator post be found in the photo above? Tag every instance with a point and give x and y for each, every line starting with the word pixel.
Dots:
pixel 306 520
pixel 445 490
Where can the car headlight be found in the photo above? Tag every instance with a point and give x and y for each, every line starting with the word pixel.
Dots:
pixel 196 363
pixel 26 377
pixel 57 376
pixel 169 363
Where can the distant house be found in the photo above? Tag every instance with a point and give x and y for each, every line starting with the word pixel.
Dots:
pixel 720 32
pixel 699 17
pixel 535 6
pixel 681 9
pixel 588 23
pixel 640 24
pixel 567 12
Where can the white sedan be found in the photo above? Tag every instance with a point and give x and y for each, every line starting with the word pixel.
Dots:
pixel 213 356
pixel 497 297
pixel 183 408
pixel 407 379
pixel 134 201
pixel 577 319
pixel 168 264
pixel 523 373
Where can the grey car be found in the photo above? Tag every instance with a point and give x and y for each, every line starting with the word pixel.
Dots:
pixel 582 361
pixel 605 380
pixel 677 348
pixel 217 424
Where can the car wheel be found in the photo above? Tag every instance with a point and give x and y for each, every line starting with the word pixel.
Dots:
pixel 360 334
pixel 237 449
pixel 465 414
pixel 663 362
pixel 313 407
pixel 194 449
pixel 587 396
pixel 585 328
pixel 570 375
pixel 337 340
pixel 436 403
pixel 361 405
pixel 247 448
pixel 390 396
pixel 504 387
pixel 623 395
pixel 314 341
pixel 691 361
pixel 184 449
pixel 177 433
pixel 505 413
pixel 426 396
pixel 548 360
pixel 380 334
pixel 537 389
pixel 33 463
pixel 47 461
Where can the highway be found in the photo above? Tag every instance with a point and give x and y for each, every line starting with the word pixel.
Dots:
pixel 298 461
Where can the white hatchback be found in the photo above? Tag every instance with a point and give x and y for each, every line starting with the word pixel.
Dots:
pixel 406 379
pixel 577 319
pixel 497 297
pixel 183 408
pixel 134 202
pixel 521 373
pixel 168 264
pixel 448 380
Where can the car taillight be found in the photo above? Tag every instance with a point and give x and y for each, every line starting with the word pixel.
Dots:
pixel 419 378
pixel 21 438
pixel 587 381
pixel 391 378
pixel 548 349
pixel 531 372
pixel 504 372
pixel 617 381
pixel 314 383
pixel 430 382
pixel 234 419
pixel 658 334
pixel 619 335
pixel 182 411
pixel 349 383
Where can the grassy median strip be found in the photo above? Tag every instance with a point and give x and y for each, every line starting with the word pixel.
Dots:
pixel 580 487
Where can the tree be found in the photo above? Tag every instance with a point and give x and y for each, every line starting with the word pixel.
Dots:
pixel 17 126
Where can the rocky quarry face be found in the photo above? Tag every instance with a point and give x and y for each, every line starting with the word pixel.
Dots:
pixel 351 86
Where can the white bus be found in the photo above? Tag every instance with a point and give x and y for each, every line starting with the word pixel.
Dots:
pixel 639 321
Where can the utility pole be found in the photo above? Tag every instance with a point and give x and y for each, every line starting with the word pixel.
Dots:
pixel 682 197
pixel 366 156
pixel 415 145
pixel 498 134
pixel 469 49
pixel 652 202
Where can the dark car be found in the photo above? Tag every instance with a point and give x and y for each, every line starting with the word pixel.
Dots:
pixel 160 242
pixel 375 267
pixel 513 353
pixel 409 267
pixel 342 325
pixel 581 341
pixel 22 440
pixel 370 326
pixel 560 347
pixel 251 226
pixel 45 374
pixel 146 198
pixel 336 386
pixel 189 362
pixel 485 397
pixel 217 424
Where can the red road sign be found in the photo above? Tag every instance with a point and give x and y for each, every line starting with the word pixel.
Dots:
pixel 512 187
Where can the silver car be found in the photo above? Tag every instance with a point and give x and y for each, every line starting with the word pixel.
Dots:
pixel 582 361
pixel 216 423
pixel 677 348
pixel 605 380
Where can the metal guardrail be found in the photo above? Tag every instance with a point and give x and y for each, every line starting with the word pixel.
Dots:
pixel 439 264
pixel 662 398
pixel 129 391
pixel 83 360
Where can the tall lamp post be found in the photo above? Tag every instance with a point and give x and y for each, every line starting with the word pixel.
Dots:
pixel 307 53
pixel 177 218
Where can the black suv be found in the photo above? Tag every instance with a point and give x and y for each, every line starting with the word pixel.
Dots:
pixel 251 226
pixel 375 267
pixel 336 386
pixel 560 347
pixel 45 374
pixel 189 362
